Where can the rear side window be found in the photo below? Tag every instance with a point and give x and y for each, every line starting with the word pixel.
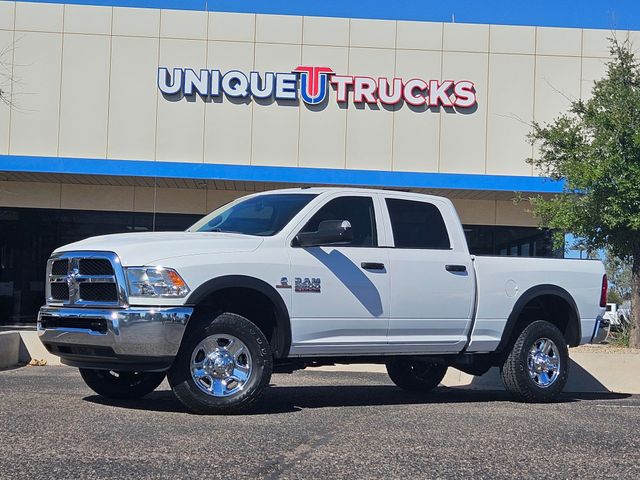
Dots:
pixel 357 210
pixel 417 225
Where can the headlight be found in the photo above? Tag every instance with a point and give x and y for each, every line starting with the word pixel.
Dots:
pixel 155 282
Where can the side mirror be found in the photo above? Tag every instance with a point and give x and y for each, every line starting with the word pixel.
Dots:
pixel 330 232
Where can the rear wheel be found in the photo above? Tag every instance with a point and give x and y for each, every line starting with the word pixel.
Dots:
pixel 536 369
pixel 222 367
pixel 415 375
pixel 117 384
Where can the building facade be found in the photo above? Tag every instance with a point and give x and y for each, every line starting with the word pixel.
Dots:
pixel 130 119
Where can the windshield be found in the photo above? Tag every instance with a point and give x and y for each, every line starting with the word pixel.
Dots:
pixel 263 215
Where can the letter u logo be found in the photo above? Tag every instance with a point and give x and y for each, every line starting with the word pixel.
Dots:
pixel 168 84
pixel 313 83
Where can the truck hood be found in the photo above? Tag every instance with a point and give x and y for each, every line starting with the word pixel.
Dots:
pixel 146 248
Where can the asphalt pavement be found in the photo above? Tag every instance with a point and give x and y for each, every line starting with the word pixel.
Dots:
pixel 311 425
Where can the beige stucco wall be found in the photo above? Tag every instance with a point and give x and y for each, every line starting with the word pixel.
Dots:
pixel 86 87
pixel 115 198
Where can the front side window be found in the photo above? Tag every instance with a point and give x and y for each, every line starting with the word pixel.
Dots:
pixel 358 211
pixel 417 225
pixel 263 215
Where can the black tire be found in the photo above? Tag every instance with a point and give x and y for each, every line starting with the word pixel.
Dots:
pixel 515 369
pixel 191 395
pixel 415 375
pixel 115 384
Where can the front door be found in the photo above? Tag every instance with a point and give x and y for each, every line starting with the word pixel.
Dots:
pixel 340 293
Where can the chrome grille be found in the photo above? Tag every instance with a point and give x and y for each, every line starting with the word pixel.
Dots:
pixel 85 279
pixel 95 266
pixel 60 267
pixel 98 292
pixel 60 291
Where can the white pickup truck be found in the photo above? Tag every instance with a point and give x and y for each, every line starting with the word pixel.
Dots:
pixel 289 279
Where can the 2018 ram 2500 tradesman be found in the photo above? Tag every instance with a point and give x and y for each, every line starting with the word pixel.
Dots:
pixel 283 280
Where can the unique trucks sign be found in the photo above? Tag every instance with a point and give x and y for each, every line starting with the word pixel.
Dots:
pixel 311 84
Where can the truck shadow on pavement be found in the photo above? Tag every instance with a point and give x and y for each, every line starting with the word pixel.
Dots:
pixel 580 380
pixel 287 399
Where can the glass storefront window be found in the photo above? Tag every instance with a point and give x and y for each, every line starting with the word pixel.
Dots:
pixel 510 241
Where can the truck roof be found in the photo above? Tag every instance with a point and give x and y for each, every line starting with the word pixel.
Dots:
pixel 320 190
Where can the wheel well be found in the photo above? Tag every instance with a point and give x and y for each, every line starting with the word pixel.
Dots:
pixel 552 308
pixel 252 304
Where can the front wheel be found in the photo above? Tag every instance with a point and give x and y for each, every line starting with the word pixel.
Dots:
pixel 536 369
pixel 223 365
pixel 415 375
pixel 117 384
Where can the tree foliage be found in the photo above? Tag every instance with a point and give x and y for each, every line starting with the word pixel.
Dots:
pixel 619 273
pixel 595 149
pixel 614 297
pixel 7 80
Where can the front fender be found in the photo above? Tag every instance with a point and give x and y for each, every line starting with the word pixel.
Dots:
pixel 217 284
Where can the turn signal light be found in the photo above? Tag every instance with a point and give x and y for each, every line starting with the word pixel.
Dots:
pixel 176 279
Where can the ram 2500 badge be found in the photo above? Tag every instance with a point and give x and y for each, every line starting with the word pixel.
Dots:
pixel 279 281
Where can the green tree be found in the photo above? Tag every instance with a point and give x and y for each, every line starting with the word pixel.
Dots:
pixel 614 297
pixel 6 73
pixel 619 273
pixel 595 149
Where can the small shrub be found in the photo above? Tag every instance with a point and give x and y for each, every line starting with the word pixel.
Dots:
pixel 620 338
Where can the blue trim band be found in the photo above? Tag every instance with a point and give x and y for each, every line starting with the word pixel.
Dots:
pixel 294 175
pixel 612 14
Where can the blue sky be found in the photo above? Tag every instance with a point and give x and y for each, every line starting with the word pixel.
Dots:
pixel 619 14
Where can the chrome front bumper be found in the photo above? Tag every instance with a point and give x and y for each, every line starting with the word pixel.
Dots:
pixel 601 330
pixel 132 338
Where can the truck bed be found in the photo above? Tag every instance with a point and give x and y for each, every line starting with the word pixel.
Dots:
pixel 503 281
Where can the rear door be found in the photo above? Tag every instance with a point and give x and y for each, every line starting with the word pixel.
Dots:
pixel 340 298
pixel 432 285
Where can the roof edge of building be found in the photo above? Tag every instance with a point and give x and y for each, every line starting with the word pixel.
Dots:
pixel 279 174
pixel 481 14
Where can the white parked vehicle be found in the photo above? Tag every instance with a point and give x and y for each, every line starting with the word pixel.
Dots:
pixel 616 315
pixel 288 279
pixel 610 313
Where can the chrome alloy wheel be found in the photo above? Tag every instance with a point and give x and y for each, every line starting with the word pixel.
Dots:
pixel 543 362
pixel 221 365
